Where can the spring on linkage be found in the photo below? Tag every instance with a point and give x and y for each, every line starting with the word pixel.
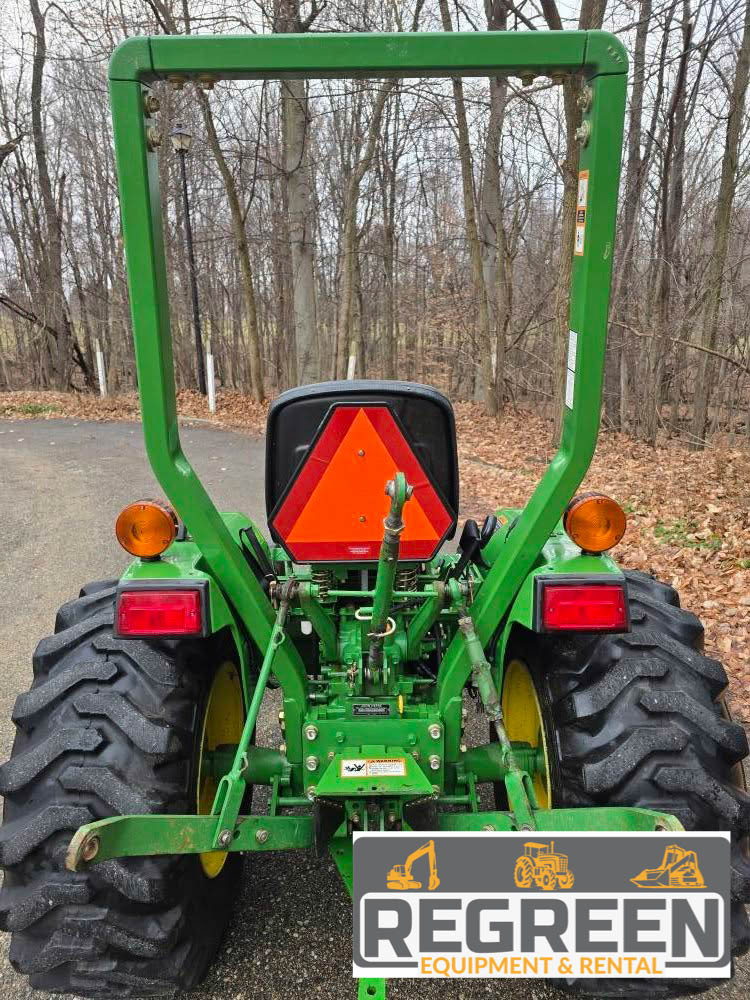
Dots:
pixel 406 579
pixel 322 579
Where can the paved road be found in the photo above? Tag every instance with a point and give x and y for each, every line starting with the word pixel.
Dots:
pixel 62 484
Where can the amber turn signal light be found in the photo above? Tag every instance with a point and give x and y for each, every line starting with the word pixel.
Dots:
pixel 594 522
pixel 146 528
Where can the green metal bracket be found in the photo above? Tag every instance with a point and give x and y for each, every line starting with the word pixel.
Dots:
pixel 264 764
pixel 138 836
pixel 320 620
pixel 340 849
pixel 596 818
pixel 424 619
pixel 489 762
pixel 371 989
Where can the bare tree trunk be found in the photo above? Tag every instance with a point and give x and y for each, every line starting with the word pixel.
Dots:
pixel 388 169
pixel 671 209
pixel 623 295
pixel 472 232
pixel 496 260
pixel 296 118
pixel 240 238
pixel 347 291
pixel 718 260
pixel 51 278
pixel 494 236
pixel 390 331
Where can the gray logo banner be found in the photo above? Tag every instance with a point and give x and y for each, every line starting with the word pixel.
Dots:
pixel 659 897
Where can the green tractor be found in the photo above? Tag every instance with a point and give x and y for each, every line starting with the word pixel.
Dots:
pixel 127 794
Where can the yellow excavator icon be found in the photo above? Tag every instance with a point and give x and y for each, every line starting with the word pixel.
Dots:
pixel 679 870
pixel 400 877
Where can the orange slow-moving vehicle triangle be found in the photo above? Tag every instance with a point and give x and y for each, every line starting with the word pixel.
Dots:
pixel 336 506
pixel 349 502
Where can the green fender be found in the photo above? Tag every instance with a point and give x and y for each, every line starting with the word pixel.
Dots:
pixel 560 556
pixel 183 560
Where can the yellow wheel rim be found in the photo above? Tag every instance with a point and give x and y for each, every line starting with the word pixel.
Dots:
pixel 522 717
pixel 222 725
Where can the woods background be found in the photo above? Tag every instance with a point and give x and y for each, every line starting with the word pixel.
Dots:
pixel 422 227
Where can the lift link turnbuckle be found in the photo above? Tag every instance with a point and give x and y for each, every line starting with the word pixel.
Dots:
pixel 232 787
pixel 518 784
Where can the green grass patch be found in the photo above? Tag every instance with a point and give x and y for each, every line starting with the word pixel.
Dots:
pixel 35 409
pixel 682 534
pixel 634 508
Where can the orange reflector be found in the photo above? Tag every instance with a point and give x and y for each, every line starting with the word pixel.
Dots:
pixel 335 506
pixel 146 528
pixel 594 522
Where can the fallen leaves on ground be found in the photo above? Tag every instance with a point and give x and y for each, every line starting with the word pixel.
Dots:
pixel 688 512
pixel 688 516
pixel 233 409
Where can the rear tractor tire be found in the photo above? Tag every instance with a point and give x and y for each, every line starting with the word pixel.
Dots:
pixel 637 720
pixel 110 727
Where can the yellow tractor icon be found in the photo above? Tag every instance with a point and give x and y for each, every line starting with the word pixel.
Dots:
pixel 400 877
pixel 539 863
pixel 679 870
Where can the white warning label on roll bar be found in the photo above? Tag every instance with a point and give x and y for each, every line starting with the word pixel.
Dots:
pixel 581 208
pixel 570 379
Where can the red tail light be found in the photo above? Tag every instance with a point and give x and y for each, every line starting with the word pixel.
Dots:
pixel 583 607
pixel 159 613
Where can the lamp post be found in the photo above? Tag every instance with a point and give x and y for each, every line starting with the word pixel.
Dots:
pixel 181 142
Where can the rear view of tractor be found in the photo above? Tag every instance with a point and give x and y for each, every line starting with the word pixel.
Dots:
pixel 128 792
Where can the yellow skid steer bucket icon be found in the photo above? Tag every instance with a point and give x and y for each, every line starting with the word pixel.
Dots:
pixel 679 870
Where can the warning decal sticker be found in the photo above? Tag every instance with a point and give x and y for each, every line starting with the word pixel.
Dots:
pixel 581 204
pixel 373 767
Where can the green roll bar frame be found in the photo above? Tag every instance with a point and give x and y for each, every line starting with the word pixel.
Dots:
pixel 138 62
